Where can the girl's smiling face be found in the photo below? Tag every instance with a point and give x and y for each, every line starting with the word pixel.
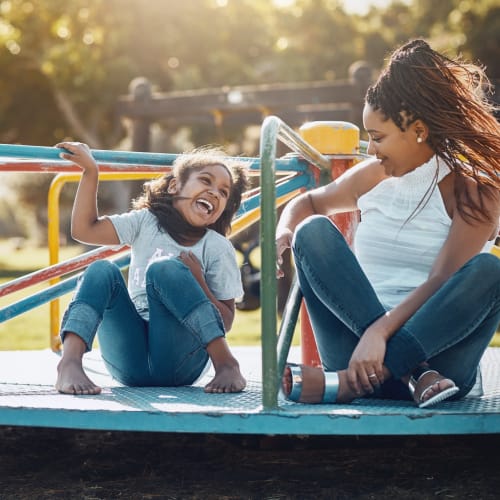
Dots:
pixel 204 196
pixel 399 151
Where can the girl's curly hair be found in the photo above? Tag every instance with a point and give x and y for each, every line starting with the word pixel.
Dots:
pixel 450 97
pixel 156 198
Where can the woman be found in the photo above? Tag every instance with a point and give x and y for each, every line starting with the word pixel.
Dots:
pixel 412 310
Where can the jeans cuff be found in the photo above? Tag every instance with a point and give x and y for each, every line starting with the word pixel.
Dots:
pixel 404 353
pixel 205 321
pixel 82 320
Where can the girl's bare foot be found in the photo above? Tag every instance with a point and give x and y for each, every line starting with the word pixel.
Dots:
pixel 71 379
pixel 228 378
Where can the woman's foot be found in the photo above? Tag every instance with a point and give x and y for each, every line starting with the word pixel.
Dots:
pixel 228 378
pixel 312 381
pixel 71 378
pixel 429 387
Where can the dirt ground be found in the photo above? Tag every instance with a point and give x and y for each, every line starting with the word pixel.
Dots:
pixel 66 464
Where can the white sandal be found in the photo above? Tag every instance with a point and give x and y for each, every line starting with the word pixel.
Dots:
pixel 422 380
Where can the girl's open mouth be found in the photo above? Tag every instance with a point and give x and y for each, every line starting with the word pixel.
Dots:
pixel 205 205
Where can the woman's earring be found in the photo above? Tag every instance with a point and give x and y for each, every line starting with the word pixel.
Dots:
pixel 419 140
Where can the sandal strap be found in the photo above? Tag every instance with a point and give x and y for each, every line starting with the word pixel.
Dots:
pixel 296 391
pixel 417 378
pixel 331 387
pixel 417 375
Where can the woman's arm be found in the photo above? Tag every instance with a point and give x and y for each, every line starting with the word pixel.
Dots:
pixel 341 195
pixel 86 225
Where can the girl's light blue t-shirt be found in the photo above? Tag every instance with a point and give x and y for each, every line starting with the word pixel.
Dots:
pixel 148 242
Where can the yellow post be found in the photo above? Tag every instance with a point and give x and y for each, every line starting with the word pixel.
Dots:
pixel 332 138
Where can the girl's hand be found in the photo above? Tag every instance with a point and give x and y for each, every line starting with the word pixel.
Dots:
pixel 283 242
pixel 79 153
pixel 365 371
pixel 194 265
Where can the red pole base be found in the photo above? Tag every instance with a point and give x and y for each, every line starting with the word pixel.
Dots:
pixel 347 224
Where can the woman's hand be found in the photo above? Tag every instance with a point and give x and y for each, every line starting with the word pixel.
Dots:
pixel 283 242
pixel 365 371
pixel 80 154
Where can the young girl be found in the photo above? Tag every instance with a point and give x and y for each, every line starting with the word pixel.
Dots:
pixel 419 299
pixel 183 279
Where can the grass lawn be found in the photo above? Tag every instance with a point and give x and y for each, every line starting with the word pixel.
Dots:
pixel 31 329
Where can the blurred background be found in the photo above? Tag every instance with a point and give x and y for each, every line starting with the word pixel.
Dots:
pixel 65 66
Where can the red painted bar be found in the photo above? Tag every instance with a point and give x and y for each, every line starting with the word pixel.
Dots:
pixel 59 269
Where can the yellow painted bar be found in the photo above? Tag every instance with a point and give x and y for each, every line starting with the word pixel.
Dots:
pixel 53 232
pixel 56 186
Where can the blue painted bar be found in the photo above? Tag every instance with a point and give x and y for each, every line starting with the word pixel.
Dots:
pixel 18 151
pixel 48 294
pixel 304 181
pixel 273 423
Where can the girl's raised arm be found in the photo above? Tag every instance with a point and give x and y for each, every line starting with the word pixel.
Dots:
pixel 86 225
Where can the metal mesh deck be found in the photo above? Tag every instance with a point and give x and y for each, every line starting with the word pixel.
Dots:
pixel 27 397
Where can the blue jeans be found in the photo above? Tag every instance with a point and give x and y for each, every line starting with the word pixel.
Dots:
pixel 167 350
pixel 450 331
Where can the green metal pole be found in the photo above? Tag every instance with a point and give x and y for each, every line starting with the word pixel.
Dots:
pixel 268 285
pixel 288 324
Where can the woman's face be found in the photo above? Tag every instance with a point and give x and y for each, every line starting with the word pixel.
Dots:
pixel 399 151
pixel 203 197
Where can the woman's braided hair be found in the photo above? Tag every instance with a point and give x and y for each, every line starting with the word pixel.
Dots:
pixel 449 96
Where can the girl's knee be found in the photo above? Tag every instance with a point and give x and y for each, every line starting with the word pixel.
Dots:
pixel 166 267
pixel 102 269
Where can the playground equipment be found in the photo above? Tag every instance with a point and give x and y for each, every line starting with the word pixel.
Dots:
pixel 26 379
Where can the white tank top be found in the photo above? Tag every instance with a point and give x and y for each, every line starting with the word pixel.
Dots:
pixel 403 226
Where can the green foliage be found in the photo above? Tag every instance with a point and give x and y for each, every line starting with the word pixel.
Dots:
pixel 64 64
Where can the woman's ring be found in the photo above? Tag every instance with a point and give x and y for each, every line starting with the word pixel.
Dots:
pixel 372 375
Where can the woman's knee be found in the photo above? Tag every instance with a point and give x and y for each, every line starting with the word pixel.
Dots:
pixel 485 266
pixel 317 232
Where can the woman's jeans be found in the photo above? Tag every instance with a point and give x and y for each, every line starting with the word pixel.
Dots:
pixel 167 350
pixel 450 331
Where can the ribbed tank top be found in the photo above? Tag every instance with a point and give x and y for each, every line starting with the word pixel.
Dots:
pixel 403 226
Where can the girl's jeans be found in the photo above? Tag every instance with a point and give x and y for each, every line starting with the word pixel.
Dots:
pixel 167 350
pixel 450 331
